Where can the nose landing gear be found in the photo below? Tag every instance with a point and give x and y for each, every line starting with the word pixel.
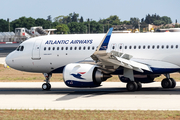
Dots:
pixel 47 85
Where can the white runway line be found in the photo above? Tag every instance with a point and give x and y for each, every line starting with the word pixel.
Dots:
pixel 89 101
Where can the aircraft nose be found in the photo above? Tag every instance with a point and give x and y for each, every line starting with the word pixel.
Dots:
pixel 9 60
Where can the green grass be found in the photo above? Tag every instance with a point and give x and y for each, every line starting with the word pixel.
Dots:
pixel 88 115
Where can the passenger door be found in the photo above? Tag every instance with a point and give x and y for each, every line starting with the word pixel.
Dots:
pixel 36 50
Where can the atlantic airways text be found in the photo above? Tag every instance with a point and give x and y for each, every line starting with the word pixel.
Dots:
pixel 68 42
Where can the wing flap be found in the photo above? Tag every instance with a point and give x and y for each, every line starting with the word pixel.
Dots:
pixel 134 64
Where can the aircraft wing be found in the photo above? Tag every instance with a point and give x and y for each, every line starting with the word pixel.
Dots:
pixel 109 62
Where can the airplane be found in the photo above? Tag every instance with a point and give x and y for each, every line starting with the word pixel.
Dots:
pixel 87 60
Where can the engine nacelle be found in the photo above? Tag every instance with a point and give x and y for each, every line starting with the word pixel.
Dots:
pixel 140 78
pixel 83 75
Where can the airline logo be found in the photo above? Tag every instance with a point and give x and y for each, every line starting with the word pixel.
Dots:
pixel 52 42
pixel 78 75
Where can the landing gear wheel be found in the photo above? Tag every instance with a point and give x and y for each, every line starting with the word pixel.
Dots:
pixel 49 86
pixel 139 85
pixel 46 86
pixel 131 86
pixel 166 83
pixel 173 83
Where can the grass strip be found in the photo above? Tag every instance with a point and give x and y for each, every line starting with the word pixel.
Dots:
pixel 89 115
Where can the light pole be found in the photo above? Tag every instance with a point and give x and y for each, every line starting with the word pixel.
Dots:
pixel 89 27
pixel 86 29
pixel 139 26
pixel 108 24
pixel 103 28
pixel 9 23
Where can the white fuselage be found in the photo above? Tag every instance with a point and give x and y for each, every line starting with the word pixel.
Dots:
pixel 41 54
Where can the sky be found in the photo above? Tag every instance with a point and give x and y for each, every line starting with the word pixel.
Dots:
pixel 93 9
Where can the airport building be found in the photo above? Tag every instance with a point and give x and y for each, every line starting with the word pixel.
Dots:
pixel 22 34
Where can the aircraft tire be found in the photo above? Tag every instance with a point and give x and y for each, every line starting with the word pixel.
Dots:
pixel 139 86
pixel 46 86
pixel 166 83
pixel 131 86
pixel 173 83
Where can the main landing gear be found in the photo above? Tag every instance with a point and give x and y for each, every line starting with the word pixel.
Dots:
pixel 134 86
pixel 168 82
pixel 47 85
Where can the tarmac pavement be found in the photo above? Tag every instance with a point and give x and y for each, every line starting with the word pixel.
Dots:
pixel 110 96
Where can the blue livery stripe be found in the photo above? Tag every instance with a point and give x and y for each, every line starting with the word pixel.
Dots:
pixel 105 43
pixel 72 83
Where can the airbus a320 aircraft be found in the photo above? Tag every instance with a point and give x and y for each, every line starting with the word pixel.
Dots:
pixel 86 60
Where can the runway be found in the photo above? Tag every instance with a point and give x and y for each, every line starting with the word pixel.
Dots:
pixel 110 96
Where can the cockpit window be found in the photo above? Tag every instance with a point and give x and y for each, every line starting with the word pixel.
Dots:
pixel 20 48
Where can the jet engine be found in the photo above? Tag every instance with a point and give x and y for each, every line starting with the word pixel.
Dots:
pixel 83 75
pixel 140 78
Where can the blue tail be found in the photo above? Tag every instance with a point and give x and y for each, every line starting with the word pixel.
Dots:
pixel 105 43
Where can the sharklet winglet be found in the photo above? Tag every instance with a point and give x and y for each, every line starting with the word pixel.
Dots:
pixel 104 43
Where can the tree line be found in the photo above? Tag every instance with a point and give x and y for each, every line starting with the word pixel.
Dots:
pixel 73 23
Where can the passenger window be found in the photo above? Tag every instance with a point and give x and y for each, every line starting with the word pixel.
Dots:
pixel 129 47
pixel 176 46
pixel 88 47
pixel 44 48
pixel 167 46
pixel 57 48
pixel 171 46
pixel 158 47
pixel 93 48
pixel 134 47
pixel 53 48
pixel 70 48
pixel 148 46
pixel 162 46
pixel 113 47
pixel 139 47
pixel 144 47
pixel 49 48
pixel 79 48
pixel 125 47
pixel 62 48
pixel 120 47
pixel 66 48
pixel 84 48
pixel 75 48
pixel 153 47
